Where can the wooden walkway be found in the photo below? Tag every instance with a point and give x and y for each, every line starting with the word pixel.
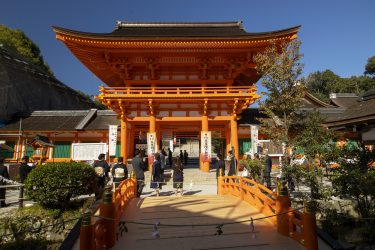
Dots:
pixel 194 210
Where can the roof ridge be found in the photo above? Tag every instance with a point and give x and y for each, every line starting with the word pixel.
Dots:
pixel 123 24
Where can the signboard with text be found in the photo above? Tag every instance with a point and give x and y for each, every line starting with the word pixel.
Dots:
pixel 88 151
pixel 112 139
pixel 151 146
pixel 205 146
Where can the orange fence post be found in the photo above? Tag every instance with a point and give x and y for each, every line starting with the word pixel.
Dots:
pixel 85 232
pixel 220 182
pixel 134 178
pixel 242 192
pixel 107 210
pixel 309 229
pixel 282 206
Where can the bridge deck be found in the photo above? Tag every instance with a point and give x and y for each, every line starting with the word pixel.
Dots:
pixel 206 209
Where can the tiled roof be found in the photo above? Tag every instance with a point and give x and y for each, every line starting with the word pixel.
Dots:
pixel 202 29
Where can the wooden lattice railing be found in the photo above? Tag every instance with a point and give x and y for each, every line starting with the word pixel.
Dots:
pixel 99 228
pixel 290 222
pixel 131 91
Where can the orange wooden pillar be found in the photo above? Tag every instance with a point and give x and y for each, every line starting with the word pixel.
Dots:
pixel 131 140
pixel 282 206
pixel 227 139
pixel 204 166
pixel 309 230
pixel 123 139
pixel 107 210
pixel 85 232
pixel 234 136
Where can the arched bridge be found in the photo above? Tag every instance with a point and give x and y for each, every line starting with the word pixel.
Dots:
pixel 244 215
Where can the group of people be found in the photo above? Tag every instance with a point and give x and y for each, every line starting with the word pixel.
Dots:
pixel 23 171
pixel 140 164
pixel 220 166
pixel 157 175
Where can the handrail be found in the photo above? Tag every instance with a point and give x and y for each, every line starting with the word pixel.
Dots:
pixel 295 224
pixel 100 232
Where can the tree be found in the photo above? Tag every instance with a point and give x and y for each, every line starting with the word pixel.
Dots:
pixel 370 66
pixel 321 84
pixel 281 69
pixel 17 41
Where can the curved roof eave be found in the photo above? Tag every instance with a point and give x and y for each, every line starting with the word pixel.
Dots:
pixel 111 36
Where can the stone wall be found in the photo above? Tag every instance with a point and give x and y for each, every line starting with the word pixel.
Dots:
pixel 25 88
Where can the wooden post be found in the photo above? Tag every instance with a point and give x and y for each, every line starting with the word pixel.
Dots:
pixel 242 193
pixel 204 166
pixel 282 206
pixel 85 239
pixel 220 182
pixel 309 229
pixel 134 178
pixel 123 141
pixel 107 210
pixel 234 136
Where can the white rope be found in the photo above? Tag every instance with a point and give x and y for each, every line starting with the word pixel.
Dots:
pixel 9 181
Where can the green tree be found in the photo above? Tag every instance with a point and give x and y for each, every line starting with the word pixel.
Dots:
pixel 281 70
pixel 370 66
pixel 356 178
pixel 321 84
pixel 20 43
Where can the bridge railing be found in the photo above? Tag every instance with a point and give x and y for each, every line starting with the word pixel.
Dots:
pixel 99 228
pixel 300 226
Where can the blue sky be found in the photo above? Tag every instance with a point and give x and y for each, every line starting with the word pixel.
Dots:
pixel 337 34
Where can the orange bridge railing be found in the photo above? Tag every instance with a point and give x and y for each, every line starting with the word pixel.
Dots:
pixel 99 229
pixel 300 226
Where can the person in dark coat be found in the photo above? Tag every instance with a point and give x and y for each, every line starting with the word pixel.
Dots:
pixel 157 174
pixel 139 166
pixel 24 169
pixel 267 169
pixel 119 172
pixel 101 169
pixel 181 156
pixel 220 164
pixel 178 177
pixel 170 161
pixel 232 165
pixel 186 157
pixel 4 174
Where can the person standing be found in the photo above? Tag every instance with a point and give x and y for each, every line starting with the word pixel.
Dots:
pixel 170 161
pixel 178 177
pixel 139 166
pixel 156 177
pixel 220 164
pixel 101 168
pixel 4 174
pixel 181 156
pixel 232 163
pixel 24 169
pixel 119 172
pixel 267 169
pixel 186 157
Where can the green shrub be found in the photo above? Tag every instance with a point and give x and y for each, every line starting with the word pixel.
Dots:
pixel 54 184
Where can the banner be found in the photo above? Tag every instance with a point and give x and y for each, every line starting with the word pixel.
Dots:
pixel 151 146
pixel 205 146
pixel 254 140
pixel 112 139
